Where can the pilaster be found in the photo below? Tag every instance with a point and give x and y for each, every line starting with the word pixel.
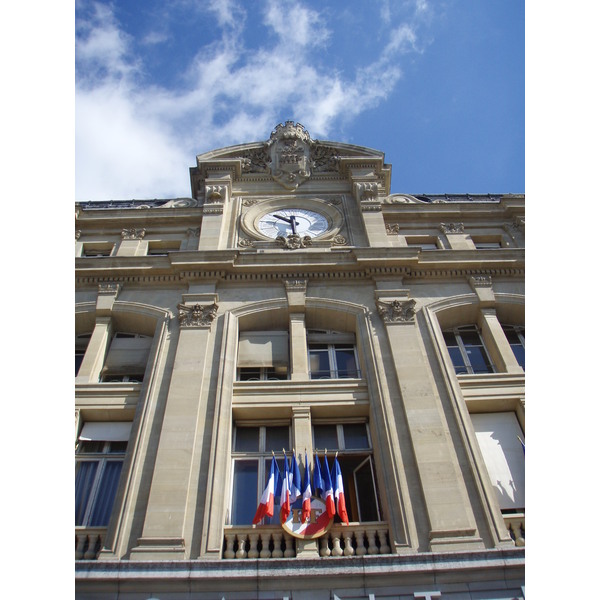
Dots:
pixel 131 242
pixel 217 193
pixel 181 435
pixel 451 519
pixel 296 296
pixel 366 191
pixel 456 236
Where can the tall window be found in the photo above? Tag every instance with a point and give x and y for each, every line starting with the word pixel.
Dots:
pixel 355 455
pixel 251 453
pixel 467 350
pixel 501 441
pixel 263 355
pixel 332 355
pixel 127 357
pixel 98 463
pixel 516 338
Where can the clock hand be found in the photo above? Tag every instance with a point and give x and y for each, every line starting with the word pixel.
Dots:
pixel 292 221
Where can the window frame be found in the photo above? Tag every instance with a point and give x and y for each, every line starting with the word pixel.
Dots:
pixel 103 457
pixel 462 348
pixel 316 337
pixel 262 457
pixel 519 331
pixel 353 494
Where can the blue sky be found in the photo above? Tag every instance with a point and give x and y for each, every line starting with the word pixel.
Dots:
pixel 438 85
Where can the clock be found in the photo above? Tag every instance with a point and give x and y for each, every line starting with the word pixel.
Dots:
pixel 287 221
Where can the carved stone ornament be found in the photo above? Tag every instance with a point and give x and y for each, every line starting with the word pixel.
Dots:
pixel 397 311
pixel 289 148
pixel 214 193
pixel 77 234
pixel 452 227
pixel 339 240
pixel 191 232
pixel 294 241
pixel 481 281
pixel 197 315
pixel 392 228
pixel 245 243
pixel 131 233
pixel 109 288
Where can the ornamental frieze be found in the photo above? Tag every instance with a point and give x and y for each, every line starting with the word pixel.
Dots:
pixel 197 315
pixel 397 311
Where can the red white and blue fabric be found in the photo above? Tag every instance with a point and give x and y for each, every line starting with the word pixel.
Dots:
pixel 306 491
pixel 295 481
pixel 338 491
pixel 328 489
pixel 267 501
pixel 285 493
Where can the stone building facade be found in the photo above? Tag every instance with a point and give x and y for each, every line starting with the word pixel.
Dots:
pixel 293 303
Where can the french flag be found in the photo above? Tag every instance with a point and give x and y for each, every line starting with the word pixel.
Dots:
pixel 328 489
pixel 317 478
pixel 285 493
pixel 306 491
pixel 295 481
pixel 338 486
pixel 267 501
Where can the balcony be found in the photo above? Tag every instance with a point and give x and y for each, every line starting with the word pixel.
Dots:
pixel 270 541
pixel 515 523
pixel 88 542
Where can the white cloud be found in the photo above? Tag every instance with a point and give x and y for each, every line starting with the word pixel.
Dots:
pixel 136 141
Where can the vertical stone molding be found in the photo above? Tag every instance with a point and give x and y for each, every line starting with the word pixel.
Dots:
pixel 298 347
pixel 496 343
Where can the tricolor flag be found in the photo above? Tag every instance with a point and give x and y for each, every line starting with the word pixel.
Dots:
pixel 338 487
pixel 328 489
pixel 295 481
pixel 285 492
pixel 306 491
pixel 267 501
pixel 317 478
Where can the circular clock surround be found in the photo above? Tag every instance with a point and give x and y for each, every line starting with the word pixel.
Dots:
pixel 276 217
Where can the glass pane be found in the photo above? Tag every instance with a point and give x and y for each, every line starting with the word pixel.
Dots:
pixel 249 374
pixel 511 335
pixel 478 359
pixel 471 338
pixel 355 436
pixel 365 492
pixel 90 447
pixel 346 363
pixel 118 447
pixel 85 472
pixel 246 439
pixel 450 339
pixel 245 498
pixel 325 437
pixel 78 361
pixel 277 438
pixel 105 496
pixel 519 353
pixel 319 364
pixel 457 360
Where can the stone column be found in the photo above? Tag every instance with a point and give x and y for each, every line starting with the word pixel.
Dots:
pixel 451 519
pixel 163 536
pixel 93 360
pixel 455 234
pixel 296 296
pixel 491 330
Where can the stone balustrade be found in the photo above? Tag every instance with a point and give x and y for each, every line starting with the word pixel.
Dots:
pixel 515 523
pixel 88 542
pixel 270 541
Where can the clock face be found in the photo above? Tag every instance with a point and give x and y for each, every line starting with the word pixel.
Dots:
pixel 292 220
